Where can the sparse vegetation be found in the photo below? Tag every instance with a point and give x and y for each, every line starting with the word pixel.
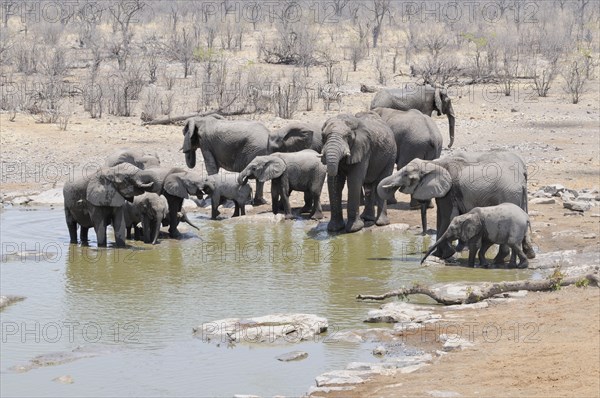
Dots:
pixel 181 46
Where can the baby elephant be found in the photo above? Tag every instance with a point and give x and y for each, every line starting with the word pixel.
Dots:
pixel 295 171
pixel 219 190
pixel 483 226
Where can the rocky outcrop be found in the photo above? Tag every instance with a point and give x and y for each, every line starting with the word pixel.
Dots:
pixel 280 328
pixel 5 301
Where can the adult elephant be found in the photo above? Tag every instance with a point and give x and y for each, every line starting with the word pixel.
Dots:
pixel 417 137
pixel 424 98
pixel 296 137
pixel 97 201
pixel 361 150
pixel 460 183
pixel 134 156
pixel 226 144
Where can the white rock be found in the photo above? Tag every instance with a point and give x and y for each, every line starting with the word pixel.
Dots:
pixel 292 356
pixel 577 206
pixel 290 328
pixel 542 201
pixel 64 379
pixel 443 394
pixel 341 377
pixel 400 312
pixel 52 196
pixel 454 342
pixel 554 189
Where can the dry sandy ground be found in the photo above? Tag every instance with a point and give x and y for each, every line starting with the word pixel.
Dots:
pixel 555 353
pixel 559 141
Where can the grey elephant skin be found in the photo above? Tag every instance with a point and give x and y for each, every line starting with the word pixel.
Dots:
pixel 226 144
pixel 154 209
pixel 220 189
pixel 460 183
pixel 296 137
pixel 134 156
pixel 504 224
pixel 362 151
pixel 424 98
pixel 417 137
pixel 97 201
pixel 300 171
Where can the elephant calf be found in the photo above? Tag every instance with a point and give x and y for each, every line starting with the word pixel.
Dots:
pixel 296 171
pixel 219 190
pixel 504 224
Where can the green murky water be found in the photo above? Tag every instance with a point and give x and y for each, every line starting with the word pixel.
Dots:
pixel 130 312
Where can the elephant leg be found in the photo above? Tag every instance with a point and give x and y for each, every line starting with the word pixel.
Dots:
pixel 368 214
pixel 118 223
pixel 287 209
pixel 316 212
pixel 175 205
pixel 503 251
pixel 527 248
pixel 423 205
pixel 444 211
pixel 137 233
pixel 72 232
pixel 335 186
pixel 472 254
pixel 355 183
pixel 128 232
pixel 258 196
pixel 214 206
pixel 236 212
pixel 392 200
pixel 72 226
pixel 100 223
pixel 83 233
pixel 382 217
pixel 147 223
pixel 414 203
pixel 156 230
pixel 484 248
pixel 308 203
pixel 523 263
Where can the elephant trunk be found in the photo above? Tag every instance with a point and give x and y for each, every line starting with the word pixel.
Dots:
pixel 190 158
pixel 335 149
pixel 451 121
pixel 243 177
pixel 434 246
pixel 185 218
pixel 157 225
pixel 387 187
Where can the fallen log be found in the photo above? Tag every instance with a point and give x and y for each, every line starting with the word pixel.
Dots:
pixel 487 290
pixel 177 119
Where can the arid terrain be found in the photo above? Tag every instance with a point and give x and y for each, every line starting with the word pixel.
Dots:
pixel 559 141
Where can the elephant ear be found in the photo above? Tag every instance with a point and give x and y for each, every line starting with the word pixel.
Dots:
pixel 101 191
pixel 438 101
pixel 470 227
pixel 360 146
pixel 434 183
pixel 190 130
pixel 273 168
pixel 173 185
pixel 298 138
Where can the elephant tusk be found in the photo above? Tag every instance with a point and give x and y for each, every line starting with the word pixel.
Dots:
pixel 388 186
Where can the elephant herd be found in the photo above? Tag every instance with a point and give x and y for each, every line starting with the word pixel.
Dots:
pixel 353 152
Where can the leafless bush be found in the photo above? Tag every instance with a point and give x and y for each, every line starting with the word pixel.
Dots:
pixel 123 12
pixel 25 56
pixel 123 89
pixel 169 79
pixel 441 70
pixel 93 100
pixel 358 52
pixel 295 44
pixel 166 104
pixel 181 49
pixel 63 119
pixel 287 97
pixel 575 79
pixel 151 105
pixel 382 72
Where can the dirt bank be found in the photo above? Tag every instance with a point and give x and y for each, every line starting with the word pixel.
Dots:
pixel 543 345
